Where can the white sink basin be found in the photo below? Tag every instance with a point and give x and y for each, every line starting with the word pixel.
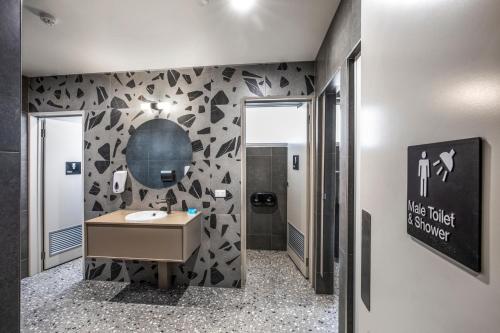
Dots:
pixel 146 215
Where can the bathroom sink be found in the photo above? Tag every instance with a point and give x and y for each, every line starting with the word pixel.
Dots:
pixel 146 215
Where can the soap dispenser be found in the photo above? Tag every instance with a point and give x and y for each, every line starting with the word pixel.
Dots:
pixel 119 179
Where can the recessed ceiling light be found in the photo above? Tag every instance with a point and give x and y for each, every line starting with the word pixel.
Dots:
pixel 48 19
pixel 242 6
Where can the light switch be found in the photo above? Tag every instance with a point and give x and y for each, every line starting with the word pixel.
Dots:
pixel 220 193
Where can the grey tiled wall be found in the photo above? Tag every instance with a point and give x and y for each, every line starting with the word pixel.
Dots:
pixel 267 172
pixel 24 180
pixel 207 103
pixel 342 36
pixel 10 158
pixel 326 237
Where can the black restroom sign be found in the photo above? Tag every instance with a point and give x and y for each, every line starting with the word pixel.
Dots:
pixel 73 168
pixel 444 198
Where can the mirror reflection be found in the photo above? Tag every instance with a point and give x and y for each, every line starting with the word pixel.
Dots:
pixel 159 153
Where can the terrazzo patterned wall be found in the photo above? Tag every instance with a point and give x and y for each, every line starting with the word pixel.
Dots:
pixel 206 102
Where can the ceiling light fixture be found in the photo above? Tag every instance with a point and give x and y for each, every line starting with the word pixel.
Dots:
pixel 242 6
pixel 48 19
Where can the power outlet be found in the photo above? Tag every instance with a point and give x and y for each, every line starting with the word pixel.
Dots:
pixel 220 193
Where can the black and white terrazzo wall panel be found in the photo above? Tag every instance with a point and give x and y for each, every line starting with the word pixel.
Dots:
pixel 206 103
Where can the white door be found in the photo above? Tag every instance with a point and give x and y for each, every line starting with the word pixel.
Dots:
pixel 297 200
pixel 62 189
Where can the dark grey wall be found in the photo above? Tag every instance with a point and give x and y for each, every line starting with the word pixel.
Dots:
pixel 324 282
pixel 267 172
pixel 341 39
pixel 24 180
pixel 342 36
pixel 10 156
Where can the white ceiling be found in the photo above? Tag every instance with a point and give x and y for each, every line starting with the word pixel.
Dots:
pixel 95 36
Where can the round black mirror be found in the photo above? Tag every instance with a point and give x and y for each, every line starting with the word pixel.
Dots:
pixel 159 153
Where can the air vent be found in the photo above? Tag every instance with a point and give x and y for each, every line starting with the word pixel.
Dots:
pixel 296 241
pixel 64 240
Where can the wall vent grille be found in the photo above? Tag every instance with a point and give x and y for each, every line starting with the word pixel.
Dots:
pixel 296 241
pixel 64 240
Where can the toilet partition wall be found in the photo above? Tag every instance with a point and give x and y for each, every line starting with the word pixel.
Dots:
pixel 206 102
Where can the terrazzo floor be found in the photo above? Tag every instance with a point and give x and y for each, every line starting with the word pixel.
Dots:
pixel 276 299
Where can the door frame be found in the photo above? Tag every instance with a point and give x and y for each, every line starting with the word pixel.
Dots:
pixel 350 204
pixel 35 185
pixel 326 118
pixel 311 132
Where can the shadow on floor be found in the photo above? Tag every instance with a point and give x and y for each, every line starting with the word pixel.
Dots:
pixel 139 293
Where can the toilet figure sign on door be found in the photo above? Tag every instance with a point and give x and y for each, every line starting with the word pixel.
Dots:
pixel 444 198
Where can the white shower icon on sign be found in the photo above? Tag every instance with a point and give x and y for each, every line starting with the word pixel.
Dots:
pixel 446 159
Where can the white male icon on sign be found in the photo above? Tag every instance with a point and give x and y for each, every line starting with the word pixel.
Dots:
pixel 423 173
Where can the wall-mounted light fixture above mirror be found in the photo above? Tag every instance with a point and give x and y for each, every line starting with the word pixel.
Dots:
pixel 156 106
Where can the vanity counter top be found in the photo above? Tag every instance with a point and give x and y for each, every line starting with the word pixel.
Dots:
pixel 174 219
pixel 167 240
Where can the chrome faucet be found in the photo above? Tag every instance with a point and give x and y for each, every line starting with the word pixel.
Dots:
pixel 168 202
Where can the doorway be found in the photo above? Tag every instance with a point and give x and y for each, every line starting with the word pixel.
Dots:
pixel 56 189
pixel 276 179
pixel 337 189
pixel 327 210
